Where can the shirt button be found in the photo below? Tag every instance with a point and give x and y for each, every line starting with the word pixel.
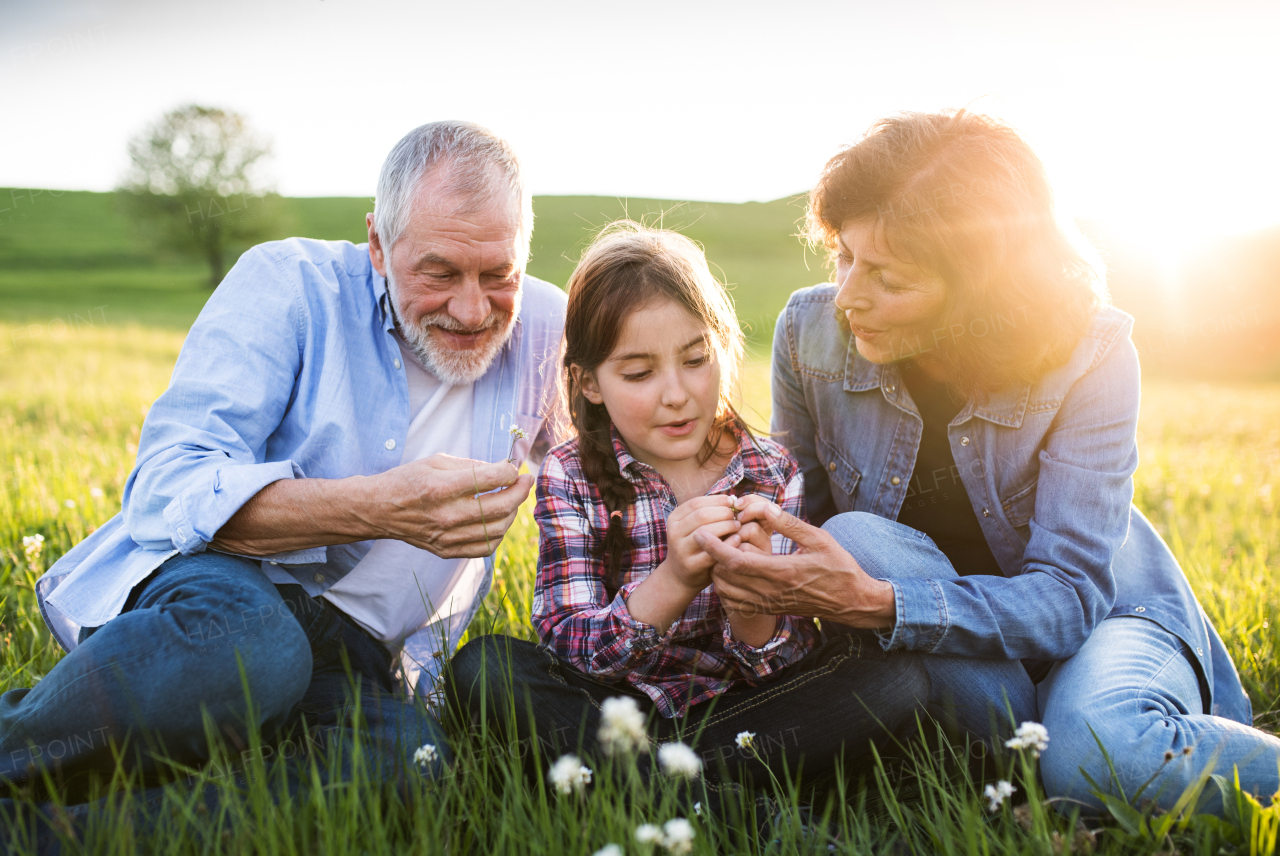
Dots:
pixel 986 512
pixel 895 480
pixel 397 364
pixel 1140 609
pixel 964 441
pixel 318 578
pixel 833 468
pixel 891 388
pixel 390 444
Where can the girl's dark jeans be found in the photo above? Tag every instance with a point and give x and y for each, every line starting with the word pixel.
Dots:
pixel 829 708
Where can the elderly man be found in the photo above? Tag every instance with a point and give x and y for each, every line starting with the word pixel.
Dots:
pixel 318 494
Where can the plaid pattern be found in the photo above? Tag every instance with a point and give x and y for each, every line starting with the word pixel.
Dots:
pixel 584 624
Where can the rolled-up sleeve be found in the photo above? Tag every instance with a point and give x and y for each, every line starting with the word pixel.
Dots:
pixel 572 610
pixel 202 453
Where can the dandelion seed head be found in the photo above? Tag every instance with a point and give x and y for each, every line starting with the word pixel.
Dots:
pixel 678 760
pixel 569 775
pixel 621 725
pixel 677 835
pixel 648 833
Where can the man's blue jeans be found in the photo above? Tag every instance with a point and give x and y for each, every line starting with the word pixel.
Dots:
pixel 196 636
pixel 1132 683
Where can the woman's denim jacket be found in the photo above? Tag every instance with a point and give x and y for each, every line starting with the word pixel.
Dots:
pixel 1049 469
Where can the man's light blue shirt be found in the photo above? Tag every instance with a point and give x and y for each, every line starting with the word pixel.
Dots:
pixel 292 370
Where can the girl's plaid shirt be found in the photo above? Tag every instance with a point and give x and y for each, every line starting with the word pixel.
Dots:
pixel 591 628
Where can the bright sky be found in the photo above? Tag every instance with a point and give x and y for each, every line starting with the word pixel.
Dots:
pixel 1157 117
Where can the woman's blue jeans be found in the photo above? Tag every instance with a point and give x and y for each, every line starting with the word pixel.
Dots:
pixel 210 635
pixel 1131 689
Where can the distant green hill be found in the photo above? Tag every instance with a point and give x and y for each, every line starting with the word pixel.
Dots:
pixel 71 255
pixel 64 252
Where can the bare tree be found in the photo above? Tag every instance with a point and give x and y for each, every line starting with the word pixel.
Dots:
pixel 195 183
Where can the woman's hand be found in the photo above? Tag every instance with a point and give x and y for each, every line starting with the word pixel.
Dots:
pixel 756 533
pixel 820 581
pixel 667 592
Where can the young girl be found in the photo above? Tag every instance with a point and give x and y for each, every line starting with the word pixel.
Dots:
pixel 625 601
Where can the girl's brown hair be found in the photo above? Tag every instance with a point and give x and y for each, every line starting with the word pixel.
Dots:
pixel 964 197
pixel 627 268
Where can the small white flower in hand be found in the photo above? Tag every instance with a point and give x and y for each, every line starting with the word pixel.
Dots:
pixel 425 755
pixel 996 794
pixel 647 833
pixel 621 725
pixel 1030 735
pixel 568 774
pixel 677 759
pixel 677 835
pixel 517 433
pixel 746 740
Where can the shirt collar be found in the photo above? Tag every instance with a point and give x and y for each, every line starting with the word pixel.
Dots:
pixel 1006 407
pixel 383 297
pixel 748 462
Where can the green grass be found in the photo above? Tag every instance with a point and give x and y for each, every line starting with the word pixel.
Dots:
pixel 72 403
pixel 91 321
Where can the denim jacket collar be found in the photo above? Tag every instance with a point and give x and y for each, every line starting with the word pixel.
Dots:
pixel 1006 407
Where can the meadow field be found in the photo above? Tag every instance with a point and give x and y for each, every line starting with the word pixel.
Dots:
pixel 89 331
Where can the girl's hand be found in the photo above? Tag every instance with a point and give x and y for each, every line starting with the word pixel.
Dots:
pixel 686 561
pixel 665 594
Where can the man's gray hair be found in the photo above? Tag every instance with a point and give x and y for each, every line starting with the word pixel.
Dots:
pixel 480 164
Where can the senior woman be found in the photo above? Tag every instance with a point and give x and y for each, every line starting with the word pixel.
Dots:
pixel 964 406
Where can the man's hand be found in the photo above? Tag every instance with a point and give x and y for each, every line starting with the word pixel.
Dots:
pixel 441 504
pixel 820 581
pixel 444 505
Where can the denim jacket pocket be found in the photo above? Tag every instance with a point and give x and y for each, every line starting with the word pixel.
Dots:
pixel 840 472
pixel 1019 508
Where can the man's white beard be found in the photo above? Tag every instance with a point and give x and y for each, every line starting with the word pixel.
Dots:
pixel 454 367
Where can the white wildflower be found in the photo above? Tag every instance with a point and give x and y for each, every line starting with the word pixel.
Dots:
pixel 96 492
pixel 746 740
pixel 69 503
pixel 697 808
pixel 517 433
pixel 425 755
pixel 568 774
pixel 32 546
pixel 608 850
pixel 1030 735
pixel 677 759
pixel 677 835
pixel 621 725
pixel 647 833
pixel 996 794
